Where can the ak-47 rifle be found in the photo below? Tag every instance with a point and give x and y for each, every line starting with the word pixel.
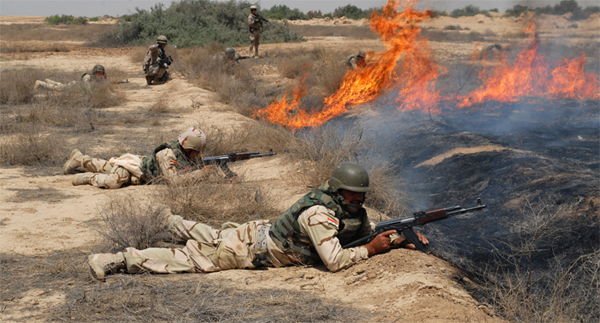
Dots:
pixel 405 224
pixel 222 160
pixel 238 58
pixel 261 18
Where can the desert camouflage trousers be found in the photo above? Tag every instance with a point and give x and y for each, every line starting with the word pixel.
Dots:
pixel 106 175
pixel 207 249
pixel 51 85
pixel 254 41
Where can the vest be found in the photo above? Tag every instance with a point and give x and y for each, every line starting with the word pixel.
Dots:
pixel 150 165
pixel 286 232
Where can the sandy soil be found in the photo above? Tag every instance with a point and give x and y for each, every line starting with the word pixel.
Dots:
pixel 401 285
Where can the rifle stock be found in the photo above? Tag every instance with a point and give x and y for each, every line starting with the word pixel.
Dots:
pixel 405 224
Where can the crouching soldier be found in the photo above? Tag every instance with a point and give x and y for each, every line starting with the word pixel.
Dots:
pixel 358 61
pixel 157 62
pixel 98 74
pixel 167 160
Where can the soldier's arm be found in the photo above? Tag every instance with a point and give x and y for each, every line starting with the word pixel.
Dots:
pixel 167 162
pixel 320 224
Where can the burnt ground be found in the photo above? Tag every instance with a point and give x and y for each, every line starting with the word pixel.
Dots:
pixel 540 180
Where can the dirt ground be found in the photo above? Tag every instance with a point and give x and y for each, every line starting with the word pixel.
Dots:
pixel 41 215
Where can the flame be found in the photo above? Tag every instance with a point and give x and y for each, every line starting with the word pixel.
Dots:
pixel 401 35
pixel 569 81
pixel 529 75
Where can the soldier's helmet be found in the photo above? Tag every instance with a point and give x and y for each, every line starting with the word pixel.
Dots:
pixel 194 139
pixel 349 176
pixel 361 54
pixel 230 52
pixel 98 68
pixel 253 8
pixel 161 39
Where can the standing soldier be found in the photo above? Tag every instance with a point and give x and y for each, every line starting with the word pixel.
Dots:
pixel 254 24
pixel 357 61
pixel 157 62
pixel 97 74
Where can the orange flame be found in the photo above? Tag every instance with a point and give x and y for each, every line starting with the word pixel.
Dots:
pixel 401 35
pixel 569 81
pixel 529 75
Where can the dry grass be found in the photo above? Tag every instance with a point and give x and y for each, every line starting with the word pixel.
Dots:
pixel 153 298
pixel 28 32
pixel 129 221
pixel 160 106
pixel 33 48
pixel 215 200
pixel 355 32
pixel 32 148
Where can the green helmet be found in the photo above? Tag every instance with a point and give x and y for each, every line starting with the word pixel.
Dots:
pixel 161 39
pixel 98 68
pixel 230 52
pixel 349 176
pixel 361 54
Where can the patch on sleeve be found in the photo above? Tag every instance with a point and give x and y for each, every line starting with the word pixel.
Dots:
pixel 173 163
pixel 332 222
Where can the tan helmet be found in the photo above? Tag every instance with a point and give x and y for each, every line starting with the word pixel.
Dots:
pixel 349 176
pixel 253 8
pixel 361 54
pixel 193 138
pixel 98 68
pixel 161 39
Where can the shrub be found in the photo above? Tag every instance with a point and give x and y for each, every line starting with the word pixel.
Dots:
pixel 281 12
pixel 195 23
pixel 129 221
pixel 65 20
pixel 469 10
pixel 32 148
pixel 352 12
pixel 94 19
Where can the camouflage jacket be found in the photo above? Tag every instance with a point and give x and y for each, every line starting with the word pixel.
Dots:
pixel 254 22
pixel 153 56
pixel 151 166
pixel 337 227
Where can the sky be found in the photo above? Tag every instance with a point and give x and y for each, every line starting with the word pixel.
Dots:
pixel 95 8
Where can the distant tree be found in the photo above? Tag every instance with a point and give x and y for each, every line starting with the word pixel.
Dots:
pixel 280 12
pixel 516 11
pixel 351 12
pixel 314 14
pixel 469 10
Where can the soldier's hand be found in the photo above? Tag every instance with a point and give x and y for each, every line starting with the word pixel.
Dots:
pixel 403 243
pixel 381 243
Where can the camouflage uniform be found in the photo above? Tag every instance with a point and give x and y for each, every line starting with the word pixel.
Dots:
pixel 312 230
pixel 166 160
pixel 85 81
pixel 354 62
pixel 154 70
pixel 254 25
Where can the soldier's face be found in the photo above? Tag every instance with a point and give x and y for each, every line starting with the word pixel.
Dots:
pixel 253 11
pixel 354 198
pixel 98 75
pixel 193 154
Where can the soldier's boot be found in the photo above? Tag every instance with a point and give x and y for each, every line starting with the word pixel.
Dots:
pixel 82 179
pixel 149 79
pixel 255 52
pixel 103 264
pixel 75 160
pixel 38 84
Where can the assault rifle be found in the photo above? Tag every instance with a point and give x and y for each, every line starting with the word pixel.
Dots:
pixel 222 160
pixel 405 224
pixel 238 58
pixel 260 18
pixel 166 60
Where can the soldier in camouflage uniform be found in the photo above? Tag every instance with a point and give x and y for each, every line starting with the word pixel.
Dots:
pixel 98 74
pixel 312 231
pixel 167 160
pixel 254 25
pixel 156 62
pixel 229 56
pixel 358 61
